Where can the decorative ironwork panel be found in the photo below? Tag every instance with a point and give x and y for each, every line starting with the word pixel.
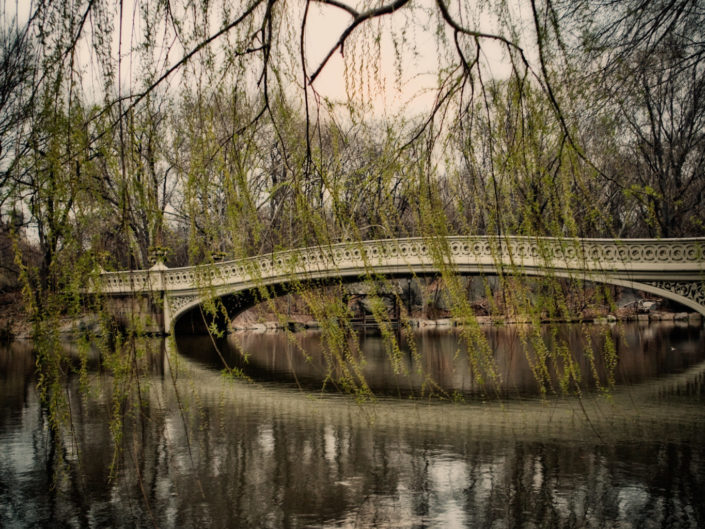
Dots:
pixel 176 303
pixel 692 290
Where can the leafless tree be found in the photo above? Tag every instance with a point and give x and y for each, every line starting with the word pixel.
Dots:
pixel 646 61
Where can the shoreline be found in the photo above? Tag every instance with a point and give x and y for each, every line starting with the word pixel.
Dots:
pixel 14 325
pixel 423 323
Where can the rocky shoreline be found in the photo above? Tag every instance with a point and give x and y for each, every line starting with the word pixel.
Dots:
pixel 299 324
pixel 90 324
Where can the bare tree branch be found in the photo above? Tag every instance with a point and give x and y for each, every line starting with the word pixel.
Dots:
pixel 358 18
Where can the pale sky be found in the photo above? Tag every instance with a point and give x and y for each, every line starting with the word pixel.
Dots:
pixel 390 89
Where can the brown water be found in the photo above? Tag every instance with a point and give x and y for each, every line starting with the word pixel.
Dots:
pixel 203 450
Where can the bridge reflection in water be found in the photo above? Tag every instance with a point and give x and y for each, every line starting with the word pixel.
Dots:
pixel 201 449
pixel 443 368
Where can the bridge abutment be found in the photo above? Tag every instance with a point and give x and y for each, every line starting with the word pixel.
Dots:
pixel 143 313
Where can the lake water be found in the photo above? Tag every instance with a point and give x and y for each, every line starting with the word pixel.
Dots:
pixel 202 449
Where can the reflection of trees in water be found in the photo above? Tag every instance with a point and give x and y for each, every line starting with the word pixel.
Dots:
pixel 271 471
pixel 16 370
pixel 267 459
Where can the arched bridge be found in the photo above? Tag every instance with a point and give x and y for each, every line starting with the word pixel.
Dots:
pixel 670 268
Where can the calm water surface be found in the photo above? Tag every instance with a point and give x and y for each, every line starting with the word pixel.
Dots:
pixel 200 449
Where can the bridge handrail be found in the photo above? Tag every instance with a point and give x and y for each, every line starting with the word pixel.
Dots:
pixel 549 252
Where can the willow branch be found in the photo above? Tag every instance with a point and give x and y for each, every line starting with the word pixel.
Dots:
pixel 340 5
pixel 186 58
pixel 358 18
pixel 477 34
pixel 554 101
pixel 302 46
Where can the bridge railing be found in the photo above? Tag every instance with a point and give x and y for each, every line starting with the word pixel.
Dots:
pixel 487 253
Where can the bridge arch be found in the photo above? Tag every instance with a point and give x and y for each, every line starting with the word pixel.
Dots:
pixel 192 303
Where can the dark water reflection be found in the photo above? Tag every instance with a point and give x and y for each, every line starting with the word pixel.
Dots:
pixel 644 351
pixel 202 450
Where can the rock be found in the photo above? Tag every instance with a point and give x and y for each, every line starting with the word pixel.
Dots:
pixel 86 324
pixel 444 322
pixel 628 298
pixel 695 317
pixel 611 318
pixel 648 306
pixel 680 316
